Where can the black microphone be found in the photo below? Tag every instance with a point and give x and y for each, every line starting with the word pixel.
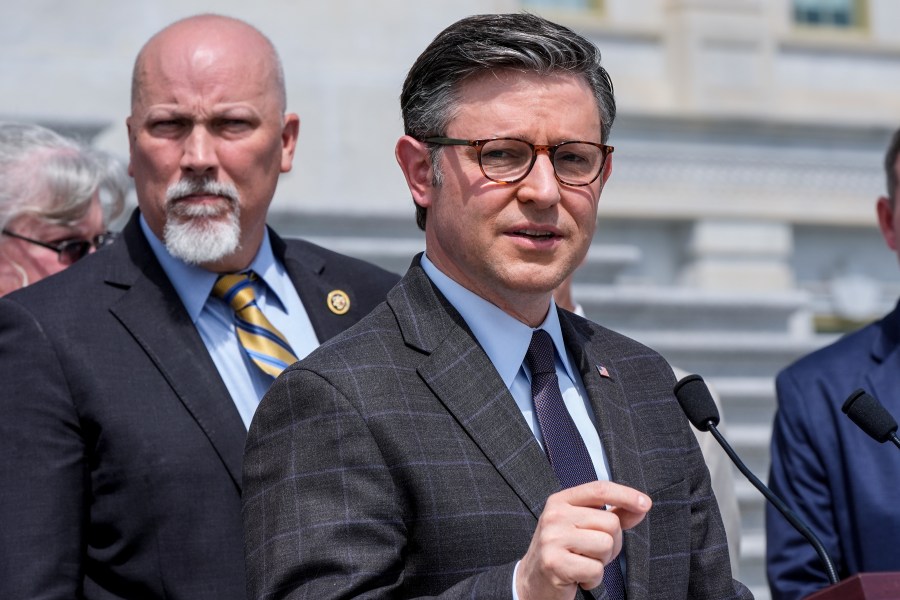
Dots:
pixel 871 416
pixel 700 408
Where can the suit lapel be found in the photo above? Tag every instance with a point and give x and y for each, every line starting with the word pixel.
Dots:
pixel 464 380
pixel 592 352
pixel 152 312
pixel 881 382
pixel 306 272
pixel 608 400
pixel 314 282
pixel 881 379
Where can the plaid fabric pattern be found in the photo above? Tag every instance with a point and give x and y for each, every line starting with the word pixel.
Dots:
pixel 393 463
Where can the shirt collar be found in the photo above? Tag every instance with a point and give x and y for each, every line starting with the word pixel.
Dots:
pixel 193 284
pixel 504 338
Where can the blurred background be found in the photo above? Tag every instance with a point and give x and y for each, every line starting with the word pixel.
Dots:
pixel 737 232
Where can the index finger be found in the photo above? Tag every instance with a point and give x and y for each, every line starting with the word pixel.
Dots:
pixel 630 504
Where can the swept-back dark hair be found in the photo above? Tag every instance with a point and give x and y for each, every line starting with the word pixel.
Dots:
pixel 483 43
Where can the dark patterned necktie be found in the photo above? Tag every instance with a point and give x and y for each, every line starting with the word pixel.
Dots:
pixel 563 444
pixel 266 346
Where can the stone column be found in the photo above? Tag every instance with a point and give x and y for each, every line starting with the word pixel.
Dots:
pixel 723 254
pixel 720 55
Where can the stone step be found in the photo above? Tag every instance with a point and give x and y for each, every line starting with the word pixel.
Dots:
pixel 732 354
pixel 751 442
pixel 752 564
pixel 644 308
pixel 294 223
pixel 393 254
pixel 604 264
pixel 746 400
pixel 751 503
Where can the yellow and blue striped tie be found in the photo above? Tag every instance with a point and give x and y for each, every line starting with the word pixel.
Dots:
pixel 267 348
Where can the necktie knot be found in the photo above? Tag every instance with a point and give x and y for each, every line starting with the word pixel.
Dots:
pixel 265 345
pixel 539 356
pixel 236 289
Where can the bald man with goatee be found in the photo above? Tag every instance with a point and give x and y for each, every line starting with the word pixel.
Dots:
pixel 130 380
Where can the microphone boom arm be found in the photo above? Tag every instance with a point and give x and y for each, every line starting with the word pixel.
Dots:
pixel 783 508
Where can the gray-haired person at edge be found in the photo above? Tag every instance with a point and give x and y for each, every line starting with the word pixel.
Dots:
pixel 464 439
pixel 129 379
pixel 57 197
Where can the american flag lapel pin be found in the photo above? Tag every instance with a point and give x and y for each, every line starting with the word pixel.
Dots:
pixel 604 372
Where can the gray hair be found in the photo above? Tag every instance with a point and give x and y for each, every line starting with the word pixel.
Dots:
pixel 485 43
pixel 890 167
pixel 55 178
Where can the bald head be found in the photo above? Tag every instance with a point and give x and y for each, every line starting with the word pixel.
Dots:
pixel 209 33
pixel 209 138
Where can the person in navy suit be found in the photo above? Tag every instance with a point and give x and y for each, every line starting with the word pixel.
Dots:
pixel 127 392
pixel 837 479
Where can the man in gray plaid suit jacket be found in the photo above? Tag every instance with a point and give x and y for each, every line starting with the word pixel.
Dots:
pixel 408 457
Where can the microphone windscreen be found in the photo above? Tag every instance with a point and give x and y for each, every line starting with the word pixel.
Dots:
pixel 870 415
pixel 696 402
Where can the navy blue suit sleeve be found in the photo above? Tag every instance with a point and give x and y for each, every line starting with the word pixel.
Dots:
pixel 42 470
pixel 799 476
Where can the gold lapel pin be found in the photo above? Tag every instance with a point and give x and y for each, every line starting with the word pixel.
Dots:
pixel 338 302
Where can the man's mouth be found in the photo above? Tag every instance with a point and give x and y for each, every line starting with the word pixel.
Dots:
pixel 202 196
pixel 534 234
pixel 201 205
pixel 201 192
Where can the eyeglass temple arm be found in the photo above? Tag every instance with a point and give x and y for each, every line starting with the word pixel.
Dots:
pixel 445 141
pixel 13 234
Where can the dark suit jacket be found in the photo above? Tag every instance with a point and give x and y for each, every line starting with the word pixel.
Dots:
pixel 841 482
pixel 394 463
pixel 121 447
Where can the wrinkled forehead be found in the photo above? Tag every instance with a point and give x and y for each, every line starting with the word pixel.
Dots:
pixel 202 68
pixel 230 67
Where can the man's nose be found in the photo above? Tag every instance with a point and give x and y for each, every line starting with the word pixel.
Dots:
pixel 199 152
pixel 540 185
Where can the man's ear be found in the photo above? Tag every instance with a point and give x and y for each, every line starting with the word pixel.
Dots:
pixel 290 131
pixel 414 159
pixel 607 171
pixel 885 212
pixel 131 134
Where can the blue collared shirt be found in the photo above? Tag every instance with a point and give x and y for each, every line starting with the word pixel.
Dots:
pixel 505 340
pixel 214 319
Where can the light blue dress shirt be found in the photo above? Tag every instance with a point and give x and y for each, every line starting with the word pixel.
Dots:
pixel 505 340
pixel 214 319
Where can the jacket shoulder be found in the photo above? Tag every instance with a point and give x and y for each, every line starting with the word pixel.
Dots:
pixel 848 354
pixel 353 268
pixel 608 337
pixel 67 291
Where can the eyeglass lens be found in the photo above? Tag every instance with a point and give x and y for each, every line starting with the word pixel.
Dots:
pixel 73 250
pixel 69 251
pixel 508 160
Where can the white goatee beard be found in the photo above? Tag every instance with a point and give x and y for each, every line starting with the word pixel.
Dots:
pixel 199 234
